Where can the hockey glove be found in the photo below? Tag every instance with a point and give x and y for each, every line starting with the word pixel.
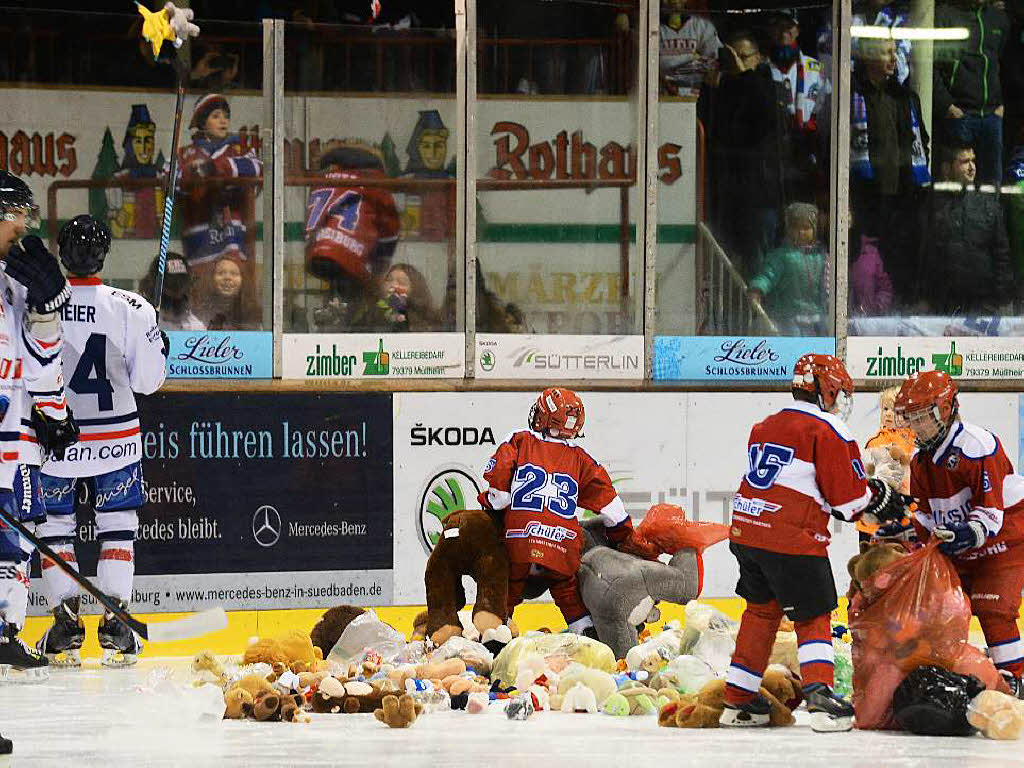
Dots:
pixel 32 265
pixel 885 506
pixel 166 348
pixel 54 436
pixel 625 538
pixel 960 537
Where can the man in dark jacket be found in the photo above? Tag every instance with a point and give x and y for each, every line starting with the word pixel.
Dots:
pixel 888 161
pixel 966 257
pixel 745 138
pixel 968 99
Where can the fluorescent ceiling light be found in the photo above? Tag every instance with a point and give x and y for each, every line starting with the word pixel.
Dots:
pixel 909 33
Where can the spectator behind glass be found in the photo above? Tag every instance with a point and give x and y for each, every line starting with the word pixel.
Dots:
pixel 175 308
pixel 888 162
pixel 402 302
pixel 793 282
pixel 883 13
pixel 688 50
pixel 223 303
pixel 746 164
pixel 802 89
pixel 213 214
pixel 966 253
pixel 870 286
pixel 214 70
pixel 967 97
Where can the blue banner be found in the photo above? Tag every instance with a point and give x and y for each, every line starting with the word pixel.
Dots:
pixel 221 355
pixel 732 358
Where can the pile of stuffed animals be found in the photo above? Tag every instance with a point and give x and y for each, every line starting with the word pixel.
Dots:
pixel 676 676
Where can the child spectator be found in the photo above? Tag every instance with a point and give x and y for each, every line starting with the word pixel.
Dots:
pixel 793 282
pixel 223 304
pixel 402 303
pixel 175 307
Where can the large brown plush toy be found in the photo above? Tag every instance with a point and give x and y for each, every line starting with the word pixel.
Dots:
pixel 326 632
pixel 872 557
pixel 471 544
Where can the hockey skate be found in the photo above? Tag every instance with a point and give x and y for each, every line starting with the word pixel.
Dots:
pixel 1015 683
pixel 121 646
pixel 754 714
pixel 18 662
pixel 62 643
pixel 829 712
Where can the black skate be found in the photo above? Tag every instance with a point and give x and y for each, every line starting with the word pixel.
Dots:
pixel 1015 683
pixel 121 647
pixel 18 662
pixel 829 712
pixel 6 746
pixel 754 714
pixel 62 643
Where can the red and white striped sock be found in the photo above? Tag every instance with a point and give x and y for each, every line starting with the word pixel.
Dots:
pixel 116 568
pixel 57 584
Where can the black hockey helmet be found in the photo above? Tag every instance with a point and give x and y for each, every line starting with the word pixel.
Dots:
pixel 15 195
pixel 83 243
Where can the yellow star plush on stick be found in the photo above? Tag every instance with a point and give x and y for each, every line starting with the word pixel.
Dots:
pixel 171 23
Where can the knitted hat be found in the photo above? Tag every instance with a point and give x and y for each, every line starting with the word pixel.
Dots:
pixel 204 106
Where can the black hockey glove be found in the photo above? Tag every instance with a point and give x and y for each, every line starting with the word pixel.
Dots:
pixel 886 505
pixel 166 349
pixel 54 436
pixel 32 265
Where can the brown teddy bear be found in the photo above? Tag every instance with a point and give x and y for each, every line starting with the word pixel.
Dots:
pixel 349 697
pixel 325 633
pixel 471 544
pixel 240 697
pixel 398 712
pixel 273 707
pixel 703 709
pixel 873 557
pixel 294 649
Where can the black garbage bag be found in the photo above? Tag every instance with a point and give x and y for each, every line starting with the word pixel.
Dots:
pixel 932 701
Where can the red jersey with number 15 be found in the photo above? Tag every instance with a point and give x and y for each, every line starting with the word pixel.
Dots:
pixel 803 466
pixel 540 482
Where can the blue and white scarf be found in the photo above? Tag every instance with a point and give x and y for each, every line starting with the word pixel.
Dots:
pixel 860 155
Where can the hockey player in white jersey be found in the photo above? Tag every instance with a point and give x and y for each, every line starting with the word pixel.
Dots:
pixel 32 289
pixel 112 349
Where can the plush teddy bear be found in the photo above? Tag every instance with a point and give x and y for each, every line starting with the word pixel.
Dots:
pixel 873 557
pixel 579 698
pixel 471 544
pixel 348 697
pixel 325 633
pixel 398 711
pixel 703 709
pixel 270 706
pixel 294 649
pixel 240 697
pixel 997 715
pixel 436 670
pixel 620 590
pixel 599 683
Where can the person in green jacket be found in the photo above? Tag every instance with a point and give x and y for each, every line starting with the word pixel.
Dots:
pixel 793 282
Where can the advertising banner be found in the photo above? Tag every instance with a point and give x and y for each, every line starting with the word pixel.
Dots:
pixel 965 357
pixel 259 501
pixel 220 355
pixel 508 356
pixel 369 355
pixel 731 358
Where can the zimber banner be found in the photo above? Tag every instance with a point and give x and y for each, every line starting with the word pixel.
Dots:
pixel 260 501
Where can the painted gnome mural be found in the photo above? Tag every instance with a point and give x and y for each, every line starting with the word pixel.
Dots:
pixel 429 213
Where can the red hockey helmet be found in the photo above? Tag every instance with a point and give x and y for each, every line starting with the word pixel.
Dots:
pixel 928 405
pixel 558 413
pixel 825 377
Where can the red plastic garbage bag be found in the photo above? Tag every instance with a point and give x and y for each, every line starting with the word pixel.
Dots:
pixel 910 614
pixel 666 526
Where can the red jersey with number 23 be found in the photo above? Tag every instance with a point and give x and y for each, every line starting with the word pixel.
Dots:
pixel 540 482
pixel 803 466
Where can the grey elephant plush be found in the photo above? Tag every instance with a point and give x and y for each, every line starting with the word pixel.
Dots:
pixel 620 590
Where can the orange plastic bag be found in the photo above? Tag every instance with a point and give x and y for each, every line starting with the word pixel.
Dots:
pixel 911 613
pixel 666 526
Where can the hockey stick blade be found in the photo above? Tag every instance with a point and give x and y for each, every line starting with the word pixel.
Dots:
pixel 195 625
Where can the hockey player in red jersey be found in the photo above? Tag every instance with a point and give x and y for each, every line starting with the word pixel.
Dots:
pixel 970 499
pixel 539 477
pixel 803 466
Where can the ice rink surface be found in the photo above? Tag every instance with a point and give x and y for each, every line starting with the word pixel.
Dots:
pixel 100 717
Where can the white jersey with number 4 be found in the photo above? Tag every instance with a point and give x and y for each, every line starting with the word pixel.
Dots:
pixel 112 349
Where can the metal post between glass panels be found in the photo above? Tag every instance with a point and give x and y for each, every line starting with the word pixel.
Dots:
pixel 648 126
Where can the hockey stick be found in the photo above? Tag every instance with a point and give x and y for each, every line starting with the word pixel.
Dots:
pixel 169 184
pixel 200 623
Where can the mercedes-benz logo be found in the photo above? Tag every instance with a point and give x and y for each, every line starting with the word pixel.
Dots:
pixel 266 526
